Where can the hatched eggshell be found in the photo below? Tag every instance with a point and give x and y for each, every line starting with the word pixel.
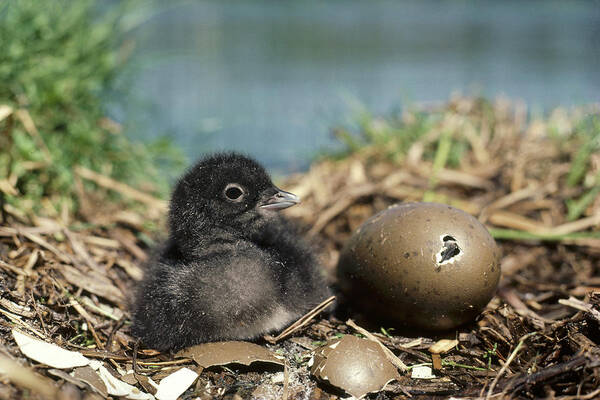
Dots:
pixel 233 352
pixel 422 265
pixel 357 366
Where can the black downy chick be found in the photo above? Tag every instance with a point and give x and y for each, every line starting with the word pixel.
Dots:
pixel 232 268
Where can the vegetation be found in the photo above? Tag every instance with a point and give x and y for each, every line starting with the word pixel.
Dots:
pixel 471 131
pixel 391 136
pixel 61 63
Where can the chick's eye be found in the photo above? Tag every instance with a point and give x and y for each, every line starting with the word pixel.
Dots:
pixel 234 192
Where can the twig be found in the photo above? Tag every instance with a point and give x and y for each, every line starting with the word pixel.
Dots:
pixel 514 234
pixel 544 374
pixel 80 250
pixel 3 216
pixel 391 356
pixel 301 322
pixel 33 258
pixel 591 395
pixel 341 205
pixel 113 331
pixel 580 305
pixel 286 381
pixel 12 268
pixel 14 318
pixel 515 221
pixel 120 187
pixel 134 360
pixel 86 301
pixel 91 321
pixel 23 311
pixel 575 226
pixel 512 198
pixel 102 242
pixel 349 197
pixel 507 363
pixel 38 240
pixel 165 363
pixel 7 231
pixel 511 297
pixel 37 312
pixel 450 176
pixel 534 229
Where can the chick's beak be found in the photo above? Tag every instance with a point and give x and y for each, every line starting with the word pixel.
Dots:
pixel 280 200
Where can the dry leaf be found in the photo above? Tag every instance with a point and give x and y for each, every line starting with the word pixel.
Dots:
pixel 48 353
pixel 173 386
pixel 117 387
pixel 91 378
pixel 147 383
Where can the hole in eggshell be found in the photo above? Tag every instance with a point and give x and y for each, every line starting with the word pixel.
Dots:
pixel 450 250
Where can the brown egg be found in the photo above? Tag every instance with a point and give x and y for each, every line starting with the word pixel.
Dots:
pixel 422 265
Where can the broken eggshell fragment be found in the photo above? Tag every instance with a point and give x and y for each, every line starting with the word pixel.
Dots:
pixel 357 366
pixel 233 352
pixel 422 265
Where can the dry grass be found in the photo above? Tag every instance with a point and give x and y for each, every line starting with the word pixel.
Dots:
pixel 68 280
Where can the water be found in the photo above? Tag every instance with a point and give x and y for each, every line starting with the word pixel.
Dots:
pixel 270 78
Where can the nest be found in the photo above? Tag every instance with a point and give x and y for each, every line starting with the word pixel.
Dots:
pixel 69 281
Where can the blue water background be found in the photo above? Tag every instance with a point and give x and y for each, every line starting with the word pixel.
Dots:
pixel 271 77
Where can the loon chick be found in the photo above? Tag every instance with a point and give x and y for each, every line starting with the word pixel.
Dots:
pixel 232 267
